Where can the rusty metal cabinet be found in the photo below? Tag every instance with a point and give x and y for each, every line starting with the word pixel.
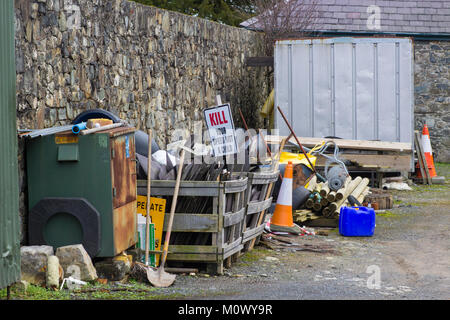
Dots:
pixel 82 189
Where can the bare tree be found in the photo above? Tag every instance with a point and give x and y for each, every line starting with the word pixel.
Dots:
pixel 282 19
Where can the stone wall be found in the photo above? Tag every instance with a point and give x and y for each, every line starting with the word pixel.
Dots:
pixel 154 68
pixel 432 94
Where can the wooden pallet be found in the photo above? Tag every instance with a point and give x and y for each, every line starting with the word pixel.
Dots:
pixel 259 199
pixel 364 155
pixel 207 228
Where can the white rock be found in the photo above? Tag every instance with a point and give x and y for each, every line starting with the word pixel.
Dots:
pixel 272 259
pixel 52 277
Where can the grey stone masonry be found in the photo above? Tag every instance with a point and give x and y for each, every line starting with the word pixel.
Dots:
pixel 432 94
pixel 154 68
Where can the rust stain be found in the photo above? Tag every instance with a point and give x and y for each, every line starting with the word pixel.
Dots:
pixel 124 223
pixel 123 170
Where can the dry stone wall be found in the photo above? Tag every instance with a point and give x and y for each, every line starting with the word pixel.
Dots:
pixel 154 68
pixel 432 93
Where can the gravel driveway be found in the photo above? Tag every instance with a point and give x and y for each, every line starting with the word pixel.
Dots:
pixel 410 251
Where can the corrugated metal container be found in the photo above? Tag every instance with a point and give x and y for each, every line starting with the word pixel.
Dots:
pixel 352 88
pixel 9 178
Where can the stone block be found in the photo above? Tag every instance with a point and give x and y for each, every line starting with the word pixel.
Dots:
pixel 113 270
pixel 76 262
pixel 34 263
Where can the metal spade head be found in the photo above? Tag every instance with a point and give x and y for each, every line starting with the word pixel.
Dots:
pixel 160 278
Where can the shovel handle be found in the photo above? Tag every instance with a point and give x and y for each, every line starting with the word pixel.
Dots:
pixel 172 209
pixel 147 217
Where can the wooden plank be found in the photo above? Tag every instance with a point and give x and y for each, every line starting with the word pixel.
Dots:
pixel 191 249
pixel 258 206
pixel 198 257
pixel 234 186
pixel 233 218
pixel 322 222
pixel 191 222
pixel 398 162
pixel 232 250
pixel 230 246
pixel 422 160
pixel 252 233
pixel 187 188
pixel 263 177
pixel 259 61
pixel 348 144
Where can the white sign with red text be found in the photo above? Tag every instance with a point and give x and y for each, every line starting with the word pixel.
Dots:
pixel 221 130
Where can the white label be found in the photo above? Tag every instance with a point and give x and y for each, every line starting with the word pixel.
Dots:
pixel 221 130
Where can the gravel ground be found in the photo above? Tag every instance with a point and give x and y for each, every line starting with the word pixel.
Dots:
pixel 410 249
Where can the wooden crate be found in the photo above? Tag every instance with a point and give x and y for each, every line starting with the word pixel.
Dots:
pixel 259 199
pixel 208 220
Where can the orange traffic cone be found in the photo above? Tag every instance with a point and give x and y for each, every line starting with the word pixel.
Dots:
pixel 426 145
pixel 282 217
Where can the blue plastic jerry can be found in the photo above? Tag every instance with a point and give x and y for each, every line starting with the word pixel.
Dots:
pixel 356 221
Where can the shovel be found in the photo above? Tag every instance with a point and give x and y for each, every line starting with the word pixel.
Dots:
pixel 147 217
pixel 160 278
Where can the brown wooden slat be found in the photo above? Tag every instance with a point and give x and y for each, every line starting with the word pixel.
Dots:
pixel 259 61
pixel 398 162
pixel 349 144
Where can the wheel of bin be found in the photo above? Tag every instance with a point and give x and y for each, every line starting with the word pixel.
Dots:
pixel 60 222
pixel 94 114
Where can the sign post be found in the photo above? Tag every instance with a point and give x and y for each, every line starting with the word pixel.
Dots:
pixel 219 122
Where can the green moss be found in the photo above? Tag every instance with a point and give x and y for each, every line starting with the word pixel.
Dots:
pixel 36 293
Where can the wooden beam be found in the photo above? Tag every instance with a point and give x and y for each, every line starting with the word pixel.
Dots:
pixel 349 144
pixel 399 162
pixel 422 160
pixel 259 62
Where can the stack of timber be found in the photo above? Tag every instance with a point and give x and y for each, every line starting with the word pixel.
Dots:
pixel 363 155
pixel 325 204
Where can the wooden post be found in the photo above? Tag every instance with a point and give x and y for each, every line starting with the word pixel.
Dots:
pixel 340 192
pixel 325 190
pixel 360 188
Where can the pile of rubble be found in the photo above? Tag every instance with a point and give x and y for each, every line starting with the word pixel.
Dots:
pixel 70 266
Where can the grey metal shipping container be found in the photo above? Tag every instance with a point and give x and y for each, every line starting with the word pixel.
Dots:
pixel 352 88
pixel 9 177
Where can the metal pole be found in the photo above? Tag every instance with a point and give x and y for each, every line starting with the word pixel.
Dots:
pixel 296 139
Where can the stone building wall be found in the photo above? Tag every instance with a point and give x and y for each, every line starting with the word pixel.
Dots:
pixel 432 94
pixel 154 68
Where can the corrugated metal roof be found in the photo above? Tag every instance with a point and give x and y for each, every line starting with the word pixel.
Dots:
pixel 9 176
pixel 396 16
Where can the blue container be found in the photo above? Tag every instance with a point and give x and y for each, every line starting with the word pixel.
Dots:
pixel 356 222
